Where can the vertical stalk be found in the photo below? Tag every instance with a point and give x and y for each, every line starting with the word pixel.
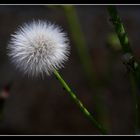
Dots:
pixel 129 59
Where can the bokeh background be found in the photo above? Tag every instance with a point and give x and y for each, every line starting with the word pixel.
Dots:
pixel 41 106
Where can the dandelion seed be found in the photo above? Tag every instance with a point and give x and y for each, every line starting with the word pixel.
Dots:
pixel 38 47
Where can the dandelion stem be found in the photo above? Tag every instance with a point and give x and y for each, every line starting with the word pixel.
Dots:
pixel 79 103
pixel 130 61
pixel 84 57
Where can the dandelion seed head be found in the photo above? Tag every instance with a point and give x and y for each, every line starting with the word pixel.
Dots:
pixel 38 47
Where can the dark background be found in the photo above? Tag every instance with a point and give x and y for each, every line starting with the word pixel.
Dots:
pixel 37 106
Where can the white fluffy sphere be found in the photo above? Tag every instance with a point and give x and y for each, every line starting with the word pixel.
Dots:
pixel 38 47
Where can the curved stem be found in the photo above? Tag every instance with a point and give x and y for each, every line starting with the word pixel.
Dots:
pixel 79 103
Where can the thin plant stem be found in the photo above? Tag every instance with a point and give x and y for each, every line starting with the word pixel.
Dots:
pixel 79 103
pixel 82 51
pixel 84 57
pixel 129 59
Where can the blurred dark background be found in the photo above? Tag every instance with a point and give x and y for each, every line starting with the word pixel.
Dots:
pixel 36 106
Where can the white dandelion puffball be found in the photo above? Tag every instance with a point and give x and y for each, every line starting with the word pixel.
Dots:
pixel 38 47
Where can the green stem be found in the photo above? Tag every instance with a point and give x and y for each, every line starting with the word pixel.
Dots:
pixel 129 59
pixel 79 103
pixel 119 28
pixel 84 57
